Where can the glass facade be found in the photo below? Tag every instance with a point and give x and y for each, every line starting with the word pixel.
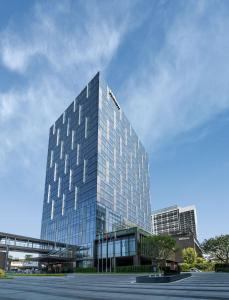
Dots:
pixel 97 173
pixel 125 246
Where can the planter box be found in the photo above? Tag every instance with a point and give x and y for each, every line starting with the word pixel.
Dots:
pixel 161 279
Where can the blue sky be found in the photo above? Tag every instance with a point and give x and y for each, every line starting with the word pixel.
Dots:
pixel 168 64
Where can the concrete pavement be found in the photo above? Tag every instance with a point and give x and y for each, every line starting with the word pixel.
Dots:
pixel 209 286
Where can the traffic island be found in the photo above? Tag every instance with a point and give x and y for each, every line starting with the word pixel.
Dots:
pixel 162 279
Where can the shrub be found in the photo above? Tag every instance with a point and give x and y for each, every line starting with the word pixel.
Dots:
pixel 204 265
pixel 222 268
pixel 2 273
pixel 185 267
pixel 85 270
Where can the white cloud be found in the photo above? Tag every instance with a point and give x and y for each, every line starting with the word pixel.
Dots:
pixel 59 37
pixel 58 51
pixel 186 83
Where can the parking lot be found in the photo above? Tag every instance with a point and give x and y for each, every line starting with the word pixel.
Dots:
pixel 200 286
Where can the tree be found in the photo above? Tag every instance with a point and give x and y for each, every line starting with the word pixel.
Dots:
pixel 159 248
pixel 189 255
pixel 218 248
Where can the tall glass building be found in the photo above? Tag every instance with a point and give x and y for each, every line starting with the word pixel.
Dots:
pixel 97 174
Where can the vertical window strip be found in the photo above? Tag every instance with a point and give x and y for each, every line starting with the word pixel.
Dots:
pixel 54 129
pixel 79 118
pixel 51 159
pixel 70 180
pixel 78 154
pixel 76 198
pixel 73 139
pixel 84 170
pixel 65 164
pixel 126 171
pixel 68 127
pixel 55 171
pixel 120 141
pixel 64 117
pixel 59 187
pixel 58 137
pixel 87 91
pixel 63 205
pixel 86 127
pixel 52 210
pixel 49 193
pixel 61 149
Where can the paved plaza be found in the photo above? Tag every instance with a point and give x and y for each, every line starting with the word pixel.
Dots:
pixel 207 286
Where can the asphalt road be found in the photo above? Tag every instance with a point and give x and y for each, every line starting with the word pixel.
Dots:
pixel 207 286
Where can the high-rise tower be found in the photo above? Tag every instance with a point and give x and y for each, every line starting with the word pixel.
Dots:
pixel 97 174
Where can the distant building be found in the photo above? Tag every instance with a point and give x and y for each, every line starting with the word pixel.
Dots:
pixel 175 220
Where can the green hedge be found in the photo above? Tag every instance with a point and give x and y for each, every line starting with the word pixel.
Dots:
pixel 134 269
pixel 85 270
pixel 222 268
pixel 123 269
pixel 37 275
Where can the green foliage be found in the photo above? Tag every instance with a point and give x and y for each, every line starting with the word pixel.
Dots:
pixel 185 267
pixel 218 248
pixel 158 247
pixel 85 270
pixel 2 273
pixel 222 268
pixel 203 264
pixel 189 256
